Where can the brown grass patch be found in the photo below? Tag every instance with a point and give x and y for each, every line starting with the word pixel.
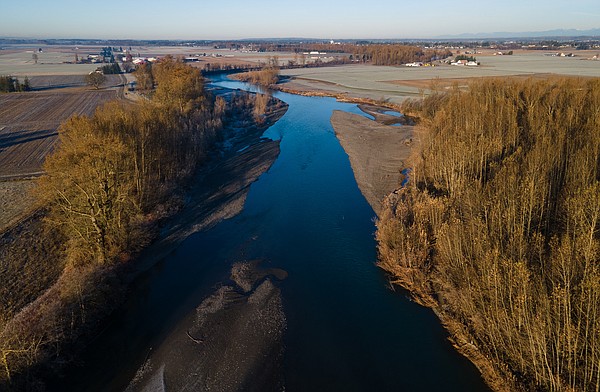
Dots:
pixel 16 201
pixel 29 264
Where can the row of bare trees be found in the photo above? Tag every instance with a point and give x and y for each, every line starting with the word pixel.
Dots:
pixel 396 54
pixel 499 227
pixel 265 77
pixel 11 84
pixel 378 54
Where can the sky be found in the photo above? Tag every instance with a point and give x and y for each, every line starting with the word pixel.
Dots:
pixel 328 19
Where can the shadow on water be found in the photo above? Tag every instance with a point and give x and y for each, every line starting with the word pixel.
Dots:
pixel 346 329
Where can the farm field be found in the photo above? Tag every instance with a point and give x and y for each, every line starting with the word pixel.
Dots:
pixel 16 200
pixel 56 60
pixel 19 62
pixel 28 132
pixel 398 83
pixel 45 82
pixel 29 122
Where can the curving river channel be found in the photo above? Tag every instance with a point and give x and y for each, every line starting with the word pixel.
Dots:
pixel 346 329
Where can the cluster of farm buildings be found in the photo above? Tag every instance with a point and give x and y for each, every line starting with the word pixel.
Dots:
pixel 468 63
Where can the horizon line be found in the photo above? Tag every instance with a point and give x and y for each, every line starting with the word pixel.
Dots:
pixel 553 33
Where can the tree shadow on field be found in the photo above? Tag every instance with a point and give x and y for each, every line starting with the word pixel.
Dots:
pixel 24 136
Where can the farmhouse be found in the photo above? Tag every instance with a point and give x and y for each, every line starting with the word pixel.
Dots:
pixel 93 58
pixel 468 63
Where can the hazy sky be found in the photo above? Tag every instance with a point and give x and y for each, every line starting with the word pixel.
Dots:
pixel 223 19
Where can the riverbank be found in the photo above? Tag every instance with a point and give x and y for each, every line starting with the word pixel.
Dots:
pixel 220 188
pixel 314 87
pixel 378 152
pixel 291 87
pixel 495 374
pixel 216 192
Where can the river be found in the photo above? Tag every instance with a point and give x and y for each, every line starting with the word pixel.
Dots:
pixel 346 328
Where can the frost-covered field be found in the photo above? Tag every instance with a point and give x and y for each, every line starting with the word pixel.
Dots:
pixel 379 82
pixel 50 62
pixel 54 60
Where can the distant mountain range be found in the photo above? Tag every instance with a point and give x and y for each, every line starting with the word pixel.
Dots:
pixel 529 34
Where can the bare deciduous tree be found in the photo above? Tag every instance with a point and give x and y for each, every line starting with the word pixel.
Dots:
pixel 95 79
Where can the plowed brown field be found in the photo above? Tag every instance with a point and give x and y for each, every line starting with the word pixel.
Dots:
pixel 29 123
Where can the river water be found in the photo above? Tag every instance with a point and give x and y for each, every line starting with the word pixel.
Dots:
pixel 347 330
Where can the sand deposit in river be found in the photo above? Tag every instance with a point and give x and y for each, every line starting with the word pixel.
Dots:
pixel 377 152
pixel 231 342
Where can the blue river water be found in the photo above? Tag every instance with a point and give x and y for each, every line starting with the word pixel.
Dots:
pixel 347 330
